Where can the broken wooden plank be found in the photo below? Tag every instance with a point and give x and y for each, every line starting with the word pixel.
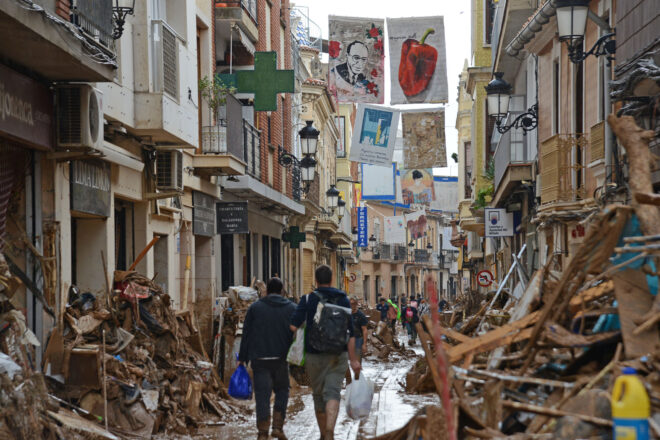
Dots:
pixel 560 337
pixel 515 379
pixel 500 336
pixel 425 339
pixel 554 412
pixel 588 295
pixel 634 301
pixel 453 334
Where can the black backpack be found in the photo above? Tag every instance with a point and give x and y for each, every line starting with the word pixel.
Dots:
pixel 329 332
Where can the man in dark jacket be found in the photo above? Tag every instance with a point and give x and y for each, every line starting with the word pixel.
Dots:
pixel 265 344
pixel 326 370
pixel 382 308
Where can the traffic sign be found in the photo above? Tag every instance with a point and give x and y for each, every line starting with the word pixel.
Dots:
pixel 485 278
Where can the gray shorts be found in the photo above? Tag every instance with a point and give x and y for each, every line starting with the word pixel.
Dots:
pixel 326 373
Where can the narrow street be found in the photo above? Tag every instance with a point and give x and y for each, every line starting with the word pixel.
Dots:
pixel 392 407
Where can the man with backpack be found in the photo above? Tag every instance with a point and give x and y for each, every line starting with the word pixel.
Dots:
pixel 329 334
pixel 393 313
pixel 410 318
pixel 265 343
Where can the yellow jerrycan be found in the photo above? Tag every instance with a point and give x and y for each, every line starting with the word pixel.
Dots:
pixel 631 407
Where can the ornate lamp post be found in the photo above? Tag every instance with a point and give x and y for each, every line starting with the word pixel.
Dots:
pixel 306 166
pixel 498 93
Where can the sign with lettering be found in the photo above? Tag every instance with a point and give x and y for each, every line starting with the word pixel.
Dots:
pixel 232 217
pixel 363 227
pixel 203 214
pixel 90 187
pixel 26 109
pixel 499 223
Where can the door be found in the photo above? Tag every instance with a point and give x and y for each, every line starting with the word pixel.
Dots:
pixel 227 257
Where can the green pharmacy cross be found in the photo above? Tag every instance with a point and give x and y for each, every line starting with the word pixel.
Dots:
pixel 294 237
pixel 265 81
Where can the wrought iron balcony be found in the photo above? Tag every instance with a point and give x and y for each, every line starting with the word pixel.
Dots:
pixel 94 19
pixel 562 176
pixel 249 6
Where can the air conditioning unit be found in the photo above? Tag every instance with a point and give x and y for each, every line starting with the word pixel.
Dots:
pixel 169 170
pixel 79 116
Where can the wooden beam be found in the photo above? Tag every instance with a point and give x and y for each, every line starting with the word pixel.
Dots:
pixel 555 412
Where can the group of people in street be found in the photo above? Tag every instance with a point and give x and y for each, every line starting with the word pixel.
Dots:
pixel 335 337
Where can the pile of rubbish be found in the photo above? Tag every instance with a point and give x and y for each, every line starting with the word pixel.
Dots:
pixel 124 365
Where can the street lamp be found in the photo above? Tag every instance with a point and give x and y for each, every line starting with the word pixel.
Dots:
pixel 119 14
pixel 429 246
pixel 354 234
pixel 333 197
pixel 571 25
pixel 498 93
pixel 341 208
pixel 372 243
pixel 304 168
pixel 309 137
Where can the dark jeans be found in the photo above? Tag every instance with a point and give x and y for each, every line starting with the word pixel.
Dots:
pixel 270 376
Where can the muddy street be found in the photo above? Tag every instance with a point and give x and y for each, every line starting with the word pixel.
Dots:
pixel 392 407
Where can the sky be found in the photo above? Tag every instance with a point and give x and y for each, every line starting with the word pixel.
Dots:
pixel 457 35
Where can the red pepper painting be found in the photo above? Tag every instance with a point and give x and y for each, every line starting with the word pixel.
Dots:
pixel 417 65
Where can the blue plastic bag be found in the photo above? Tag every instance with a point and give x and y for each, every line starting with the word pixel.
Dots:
pixel 240 384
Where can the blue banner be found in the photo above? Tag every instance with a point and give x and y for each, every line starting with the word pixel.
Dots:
pixel 363 226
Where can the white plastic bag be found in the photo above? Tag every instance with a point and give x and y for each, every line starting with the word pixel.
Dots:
pixel 296 355
pixel 359 395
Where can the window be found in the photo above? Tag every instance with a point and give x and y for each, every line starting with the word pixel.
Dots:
pixel 268 32
pixel 489 15
pixel 555 97
pixel 265 257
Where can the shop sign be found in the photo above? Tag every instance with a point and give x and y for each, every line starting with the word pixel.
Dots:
pixel 499 223
pixel 26 109
pixel 232 217
pixel 363 226
pixel 203 214
pixel 90 187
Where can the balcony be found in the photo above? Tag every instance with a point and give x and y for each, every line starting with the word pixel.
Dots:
pixel 244 14
pixel 160 111
pixel 224 145
pixel 421 256
pixel 512 164
pixel 562 176
pixel 81 51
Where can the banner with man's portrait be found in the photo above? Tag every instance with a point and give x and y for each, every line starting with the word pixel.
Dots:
pixel 418 60
pixel 356 66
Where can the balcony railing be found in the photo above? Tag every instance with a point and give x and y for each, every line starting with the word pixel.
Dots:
pixel 562 174
pixel 165 50
pixel 511 149
pixel 249 6
pixel 94 18
pixel 252 148
pixel 421 256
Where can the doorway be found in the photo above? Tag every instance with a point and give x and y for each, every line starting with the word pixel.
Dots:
pixel 227 258
pixel 365 288
pixel 161 262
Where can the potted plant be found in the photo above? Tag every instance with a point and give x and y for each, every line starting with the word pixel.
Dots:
pixel 214 92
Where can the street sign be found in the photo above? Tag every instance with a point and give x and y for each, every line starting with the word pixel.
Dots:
pixel 499 223
pixel 485 278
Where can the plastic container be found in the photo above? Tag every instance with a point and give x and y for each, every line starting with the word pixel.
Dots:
pixel 631 407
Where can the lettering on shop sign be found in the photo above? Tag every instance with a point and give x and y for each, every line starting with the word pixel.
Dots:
pixel 203 214
pixel 232 217
pixel 26 109
pixel 363 227
pixel 90 187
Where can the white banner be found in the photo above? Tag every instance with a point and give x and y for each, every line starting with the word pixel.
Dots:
pixel 378 182
pixel 395 229
pixel 374 135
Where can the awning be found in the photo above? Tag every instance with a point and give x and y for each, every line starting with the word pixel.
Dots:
pixel 239 35
pixel 534 25
pixel 112 153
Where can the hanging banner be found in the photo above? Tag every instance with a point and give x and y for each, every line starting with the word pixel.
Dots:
pixel 446 194
pixel 356 66
pixel 417 186
pixel 499 223
pixel 416 224
pixel 363 226
pixel 374 135
pixel 418 60
pixel 378 182
pixel 340 121
pixel 357 193
pixel 424 139
pixel 395 229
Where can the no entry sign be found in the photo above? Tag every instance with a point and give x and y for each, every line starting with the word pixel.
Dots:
pixel 485 278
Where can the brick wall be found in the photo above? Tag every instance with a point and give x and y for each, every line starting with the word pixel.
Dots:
pixel 63 9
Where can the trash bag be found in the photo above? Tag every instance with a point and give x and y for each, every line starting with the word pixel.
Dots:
pixel 240 384
pixel 359 395
pixel 296 355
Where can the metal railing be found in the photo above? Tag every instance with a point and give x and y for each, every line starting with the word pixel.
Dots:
pixel 165 50
pixel 296 182
pixel 249 6
pixel 94 18
pixel 214 137
pixel 385 251
pixel 511 149
pixel 562 167
pixel 252 147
